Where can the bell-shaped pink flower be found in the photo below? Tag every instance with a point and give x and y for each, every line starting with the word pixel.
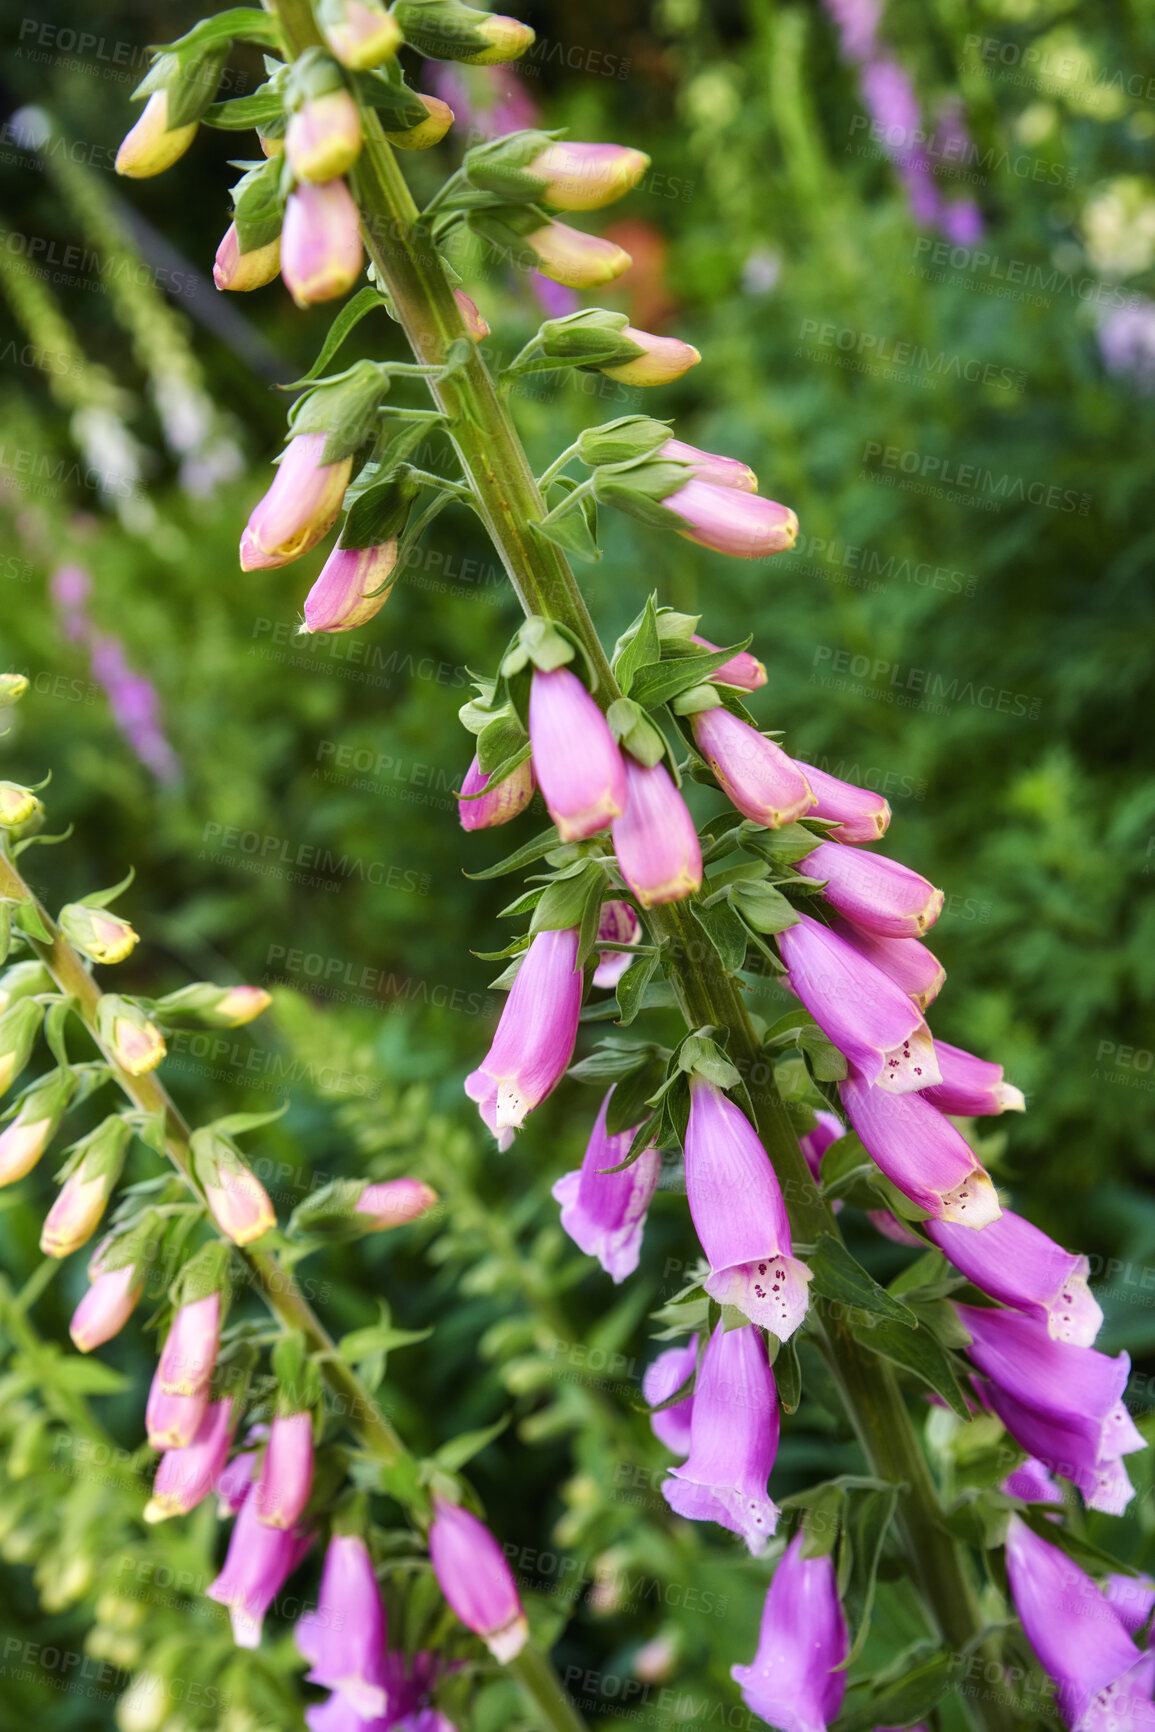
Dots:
pixel 744 672
pixel 663 359
pixel 1031 1482
pixel 323 137
pixel 344 1639
pixel 393 1202
pixel 971 1086
pixel 186 1476
pixel 1132 1598
pixel 921 1153
pixel 499 804
pixel 1015 1262
pixel 730 521
pixel 476 1580
pixel 172 1421
pixel 299 508
pixel 795 1681
pixel 579 768
pixel 655 842
pixel 242 272
pixel 664 1378
pixel 257 1564
pixel 874 892
pixel 234 1481
pixel 1085 1451
pixel 535 1035
pixel 586 176
pixel 353 586
pixel 286 1476
pixel 106 1307
pixel 868 1017
pixel 190 1348
pixel 604 1213
pixel 719 471
pixel 733 1440
pixel 906 961
pixel 321 252
pixel 815 1143
pixel 618 925
pixel 739 1216
pixel 580 261
pixel 764 784
pixel 860 815
pixel 1078 1638
pixel 76 1213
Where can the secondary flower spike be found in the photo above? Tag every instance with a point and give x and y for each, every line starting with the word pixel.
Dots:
pixel 476 1580
pixel 352 587
pixel 664 1378
pixel 1013 1261
pixel 655 841
pixel 344 1638
pixel 921 1153
pixel 733 1440
pixel 535 1035
pixel 860 815
pixel 299 508
pixel 576 760
pixel 739 1216
pixel 742 524
pixel 321 253
pixel 499 804
pixel 604 1213
pixel 257 1564
pixel 971 1086
pixel 868 1017
pixel 766 786
pixel 874 892
pixel 794 1681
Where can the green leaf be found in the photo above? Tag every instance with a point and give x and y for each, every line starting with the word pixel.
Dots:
pixel 87 1377
pixel 917 1351
pixel 236 1124
pixel 381 1337
pixel 921 1685
pixel 567 898
pixel 867 1517
pixel 237 24
pixel 661 681
pixel 525 856
pixel 788 1376
pixel 28 919
pixel 631 989
pixel 766 909
pixel 639 646
pixel 611 1060
pixel 243 112
pixel 258 206
pixel 726 933
pixel 629 1104
pixel 838 1277
pixel 351 314
pixel 572 525
pixel 459 1450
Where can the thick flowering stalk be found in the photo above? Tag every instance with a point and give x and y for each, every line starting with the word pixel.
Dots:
pixel 579 768
pixel 742 524
pixel 744 672
pixel 186 1476
pixel 496 805
pixel 868 1017
pixel 655 841
pixel 669 1371
pixel 36 1122
pixel 739 1216
pixel 604 1212
pixel 258 1562
pixel 352 588
pixel 92 1173
pixel 321 252
pixel 733 1440
pixel 795 1681
pixel 152 146
pixel 1016 1263
pixel 905 961
pixel 286 1476
pixel 861 816
pixel 971 1086
pixel 344 1639
pixel 921 1152
pixel 757 776
pixel 535 1036
pixel 242 272
pixel 299 508
pixel 473 1575
pixel 873 892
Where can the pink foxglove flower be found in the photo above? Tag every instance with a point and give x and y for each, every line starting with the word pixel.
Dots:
pixel 299 508
pixel 921 1153
pixel 733 1440
pixel 1087 1453
pixel 393 1202
pixel 237 1200
pixel 577 260
pixel 742 524
pixel 257 1564
pixel 739 1216
pixel 535 1036
pixel 476 1580
pixel 874 892
pixel 321 252
pixel 172 1421
pixel 906 961
pixel 76 1213
pixel 353 586
pixel 1078 1638
pixel 662 360
pixel 764 784
pixel 618 925
pixel 105 1308
pixel 152 145
pixel 1031 1482
pixel 860 815
pixel 669 1371
pixel 323 137
pixel 795 1681
pixel 868 1017
pixel 1014 1262
pixel 286 1476
pixel 186 1476
pixel 815 1143
pixel 242 272
pixel 360 32
pixel 971 1086
pixel 576 759
pixel 604 1213
pixel 37 1120
pixel 1133 1598
pixel 586 176
pixel 344 1639
pixel 190 1348
pixel 497 805
pixel 719 471
pixel 743 671
pixel 655 841
pixel 234 1481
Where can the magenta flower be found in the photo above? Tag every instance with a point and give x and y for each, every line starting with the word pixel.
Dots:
pixel 719 471
pixel 661 1380
pixel 1089 1454
pixel 794 1681
pixel 604 1213
pixel 618 925
pixel 106 1307
pixel 473 1575
pixel 1133 1598
pixel 186 1476
pixel 739 1216
pixel 352 588
pixel 1031 1482
pixel 867 1016
pixel 971 1086
pixel 1014 1262
pixel 172 1421
pixel 258 1563
pixel 655 841
pixel 344 1639
pixel 733 1440
pixel 299 508
pixel 732 521
pixel 286 1476
pixel 860 815
pixel 906 961
pixel 576 760
pixel 233 1482
pixel 764 784
pixel 1078 1638
pixel 874 892
pixel 816 1142
pixel 190 1348
pixel 921 1153
pixel 497 805
pixel 744 672
pixel 535 1036
pixel 321 251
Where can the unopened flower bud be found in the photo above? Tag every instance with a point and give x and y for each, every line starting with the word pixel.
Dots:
pixel 105 1308
pixel 321 253
pixel 744 672
pixel 286 1476
pixel 323 137
pixel 23 980
pixel 91 1175
pixel 729 521
pixel 300 507
pixel 861 816
pixel 535 1036
pixel 353 586
pixel 577 762
pixel 474 322
pixel 17 805
pixel 344 1637
pixel 662 360
pixel 873 892
pixel 238 1201
pixel 12 689
pixel 449 31
pixel 496 805
pixel 19 1026
pixel 392 1202
pixel 578 260
pixel 427 132
pixel 25 1139
pixel 152 146
pixel 655 841
pixel 130 1039
pixel 473 1575
pixel 103 936
pixel 213 1006
pixel 587 176
pixel 709 466
pixel 360 32
pixel 233 269
pixel 766 786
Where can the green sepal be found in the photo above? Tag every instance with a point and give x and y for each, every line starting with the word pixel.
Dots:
pixel 498 167
pixel 625 440
pixel 667 679
pixel 207 1272
pixel 259 205
pixel 262 110
pixel 573 524
pixel 725 932
pixel 631 990
pixel 763 908
pixel 630 725
pixel 639 646
pixel 344 408
pixel 838 1277
pixel 381 512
